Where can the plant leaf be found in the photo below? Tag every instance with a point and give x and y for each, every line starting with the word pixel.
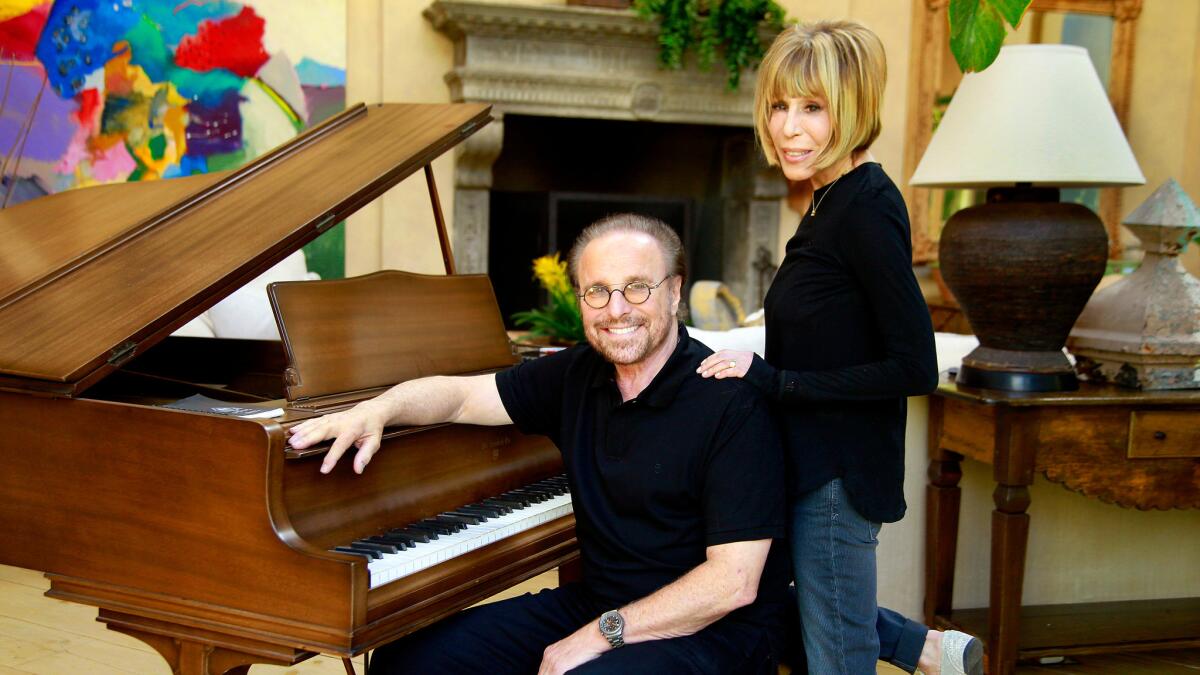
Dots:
pixel 976 33
pixel 1011 10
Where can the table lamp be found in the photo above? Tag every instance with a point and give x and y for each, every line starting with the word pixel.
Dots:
pixel 1023 264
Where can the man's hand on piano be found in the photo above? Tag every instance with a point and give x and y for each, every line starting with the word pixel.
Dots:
pixel 577 648
pixel 360 426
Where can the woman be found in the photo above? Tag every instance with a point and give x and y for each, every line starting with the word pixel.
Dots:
pixel 848 338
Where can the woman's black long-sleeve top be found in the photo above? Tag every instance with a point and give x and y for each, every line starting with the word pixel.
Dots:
pixel 848 339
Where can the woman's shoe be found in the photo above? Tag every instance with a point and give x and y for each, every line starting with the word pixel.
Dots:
pixel 962 654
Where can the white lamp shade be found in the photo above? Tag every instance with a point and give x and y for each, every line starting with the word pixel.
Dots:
pixel 1037 115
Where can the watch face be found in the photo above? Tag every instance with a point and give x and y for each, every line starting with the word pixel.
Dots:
pixel 610 623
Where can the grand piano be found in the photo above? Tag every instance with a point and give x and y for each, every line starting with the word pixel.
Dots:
pixel 205 535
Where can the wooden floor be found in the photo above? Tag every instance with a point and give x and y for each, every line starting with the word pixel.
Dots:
pixel 45 636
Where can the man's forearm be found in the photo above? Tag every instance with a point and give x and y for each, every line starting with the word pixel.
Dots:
pixel 695 600
pixel 470 399
pixel 728 579
pixel 429 400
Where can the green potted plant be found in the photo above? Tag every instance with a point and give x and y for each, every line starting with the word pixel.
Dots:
pixel 559 320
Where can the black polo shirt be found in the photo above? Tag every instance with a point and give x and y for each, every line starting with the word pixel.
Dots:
pixel 689 463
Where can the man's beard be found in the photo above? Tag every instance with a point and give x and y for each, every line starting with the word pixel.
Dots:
pixel 625 352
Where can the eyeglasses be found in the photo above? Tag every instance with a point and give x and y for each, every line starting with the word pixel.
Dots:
pixel 635 293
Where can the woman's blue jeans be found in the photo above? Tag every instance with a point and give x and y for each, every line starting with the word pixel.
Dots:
pixel 833 553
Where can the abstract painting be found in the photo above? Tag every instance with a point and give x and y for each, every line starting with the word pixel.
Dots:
pixel 103 91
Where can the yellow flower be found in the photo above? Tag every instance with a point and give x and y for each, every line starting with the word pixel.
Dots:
pixel 551 273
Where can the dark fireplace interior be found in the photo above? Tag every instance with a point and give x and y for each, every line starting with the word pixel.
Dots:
pixel 555 176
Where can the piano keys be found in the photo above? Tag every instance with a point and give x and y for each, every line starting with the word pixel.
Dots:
pixel 406 550
pixel 207 536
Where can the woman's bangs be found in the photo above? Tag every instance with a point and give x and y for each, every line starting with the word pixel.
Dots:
pixel 796 77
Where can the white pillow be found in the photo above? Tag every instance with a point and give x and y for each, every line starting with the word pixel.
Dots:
pixel 200 326
pixel 246 313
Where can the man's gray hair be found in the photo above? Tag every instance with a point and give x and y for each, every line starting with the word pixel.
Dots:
pixel 668 241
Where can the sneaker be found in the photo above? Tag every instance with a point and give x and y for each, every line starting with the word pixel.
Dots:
pixel 962 654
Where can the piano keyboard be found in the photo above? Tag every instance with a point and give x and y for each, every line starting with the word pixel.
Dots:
pixel 406 550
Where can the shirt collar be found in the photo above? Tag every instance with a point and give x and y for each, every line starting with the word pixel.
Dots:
pixel 666 383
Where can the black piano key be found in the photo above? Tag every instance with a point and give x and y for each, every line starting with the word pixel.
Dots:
pixel 553 489
pixel 464 518
pixel 362 549
pixel 521 498
pixel 489 511
pixel 420 536
pixel 399 541
pixel 353 551
pixel 448 526
pixel 433 528
pixel 376 546
pixel 457 523
pixel 482 513
pixel 534 496
pixel 509 504
pixel 493 504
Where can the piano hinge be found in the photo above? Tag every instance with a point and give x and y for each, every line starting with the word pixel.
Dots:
pixel 326 222
pixel 291 377
pixel 122 353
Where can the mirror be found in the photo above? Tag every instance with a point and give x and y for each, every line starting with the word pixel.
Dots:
pixel 1105 28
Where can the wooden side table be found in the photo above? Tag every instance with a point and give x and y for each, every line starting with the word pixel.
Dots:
pixel 1135 449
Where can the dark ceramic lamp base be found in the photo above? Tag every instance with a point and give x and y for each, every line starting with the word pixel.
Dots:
pixel 1022 266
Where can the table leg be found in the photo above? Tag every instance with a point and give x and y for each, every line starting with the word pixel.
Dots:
pixel 1010 535
pixel 943 499
pixel 942 506
pixel 1016 447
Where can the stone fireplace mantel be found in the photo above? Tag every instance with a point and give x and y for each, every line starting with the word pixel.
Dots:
pixel 565 61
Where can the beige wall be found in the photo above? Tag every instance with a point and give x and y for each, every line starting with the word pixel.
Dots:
pixel 394 55
pixel 1080 549
pixel 1190 178
pixel 1164 107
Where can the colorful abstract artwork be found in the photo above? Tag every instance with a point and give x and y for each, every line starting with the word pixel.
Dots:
pixel 102 91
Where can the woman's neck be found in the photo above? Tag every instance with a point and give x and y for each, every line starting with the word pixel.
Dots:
pixel 832 173
pixel 840 168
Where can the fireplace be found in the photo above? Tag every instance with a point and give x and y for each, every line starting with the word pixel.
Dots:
pixel 587 124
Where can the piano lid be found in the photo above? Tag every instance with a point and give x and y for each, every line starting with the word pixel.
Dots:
pixel 91 277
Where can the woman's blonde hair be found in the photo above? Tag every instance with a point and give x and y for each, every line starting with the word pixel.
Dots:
pixel 841 62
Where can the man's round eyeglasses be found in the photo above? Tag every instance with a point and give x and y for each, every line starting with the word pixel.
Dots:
pixel 635 293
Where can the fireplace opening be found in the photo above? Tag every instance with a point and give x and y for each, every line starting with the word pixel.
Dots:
pixel 554 176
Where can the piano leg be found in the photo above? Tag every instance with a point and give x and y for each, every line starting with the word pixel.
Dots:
pixel 193 651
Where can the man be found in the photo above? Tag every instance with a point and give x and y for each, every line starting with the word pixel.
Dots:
pixel 676 484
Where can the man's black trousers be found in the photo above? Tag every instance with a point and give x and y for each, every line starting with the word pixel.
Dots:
pixel 509 637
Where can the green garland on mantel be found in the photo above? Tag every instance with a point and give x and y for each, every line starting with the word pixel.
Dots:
pixel 731 28
pixel 711 27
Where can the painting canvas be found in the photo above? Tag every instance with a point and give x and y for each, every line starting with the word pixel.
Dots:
pixel 104 91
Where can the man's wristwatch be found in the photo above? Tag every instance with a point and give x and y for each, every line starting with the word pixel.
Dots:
pixel 612 627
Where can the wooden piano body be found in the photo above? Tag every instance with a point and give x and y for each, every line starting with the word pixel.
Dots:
pixel 205 535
